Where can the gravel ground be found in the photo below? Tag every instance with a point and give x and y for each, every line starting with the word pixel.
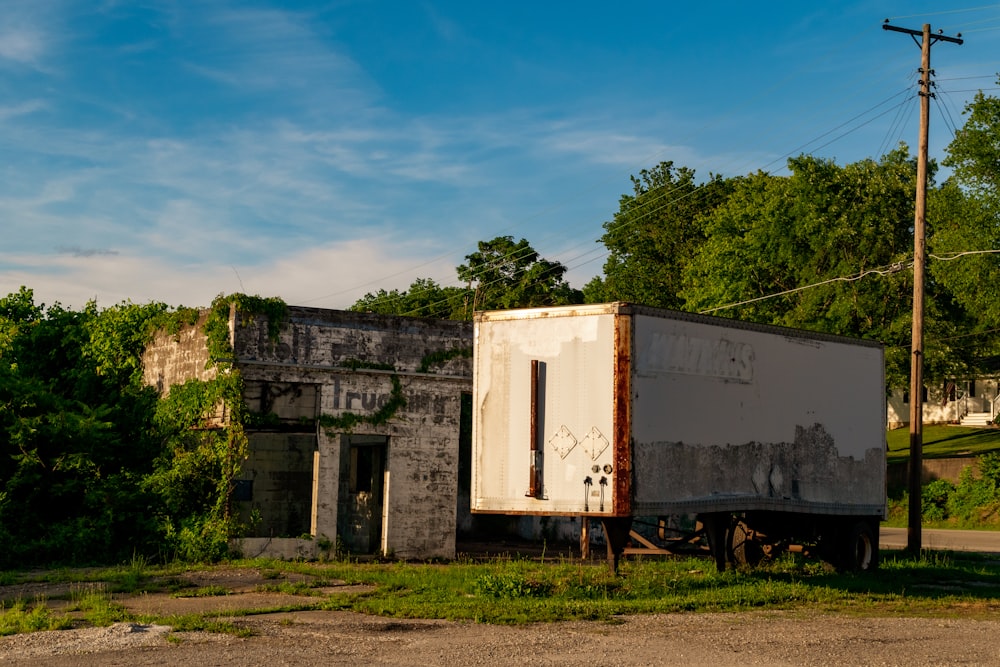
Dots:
pixel 345 638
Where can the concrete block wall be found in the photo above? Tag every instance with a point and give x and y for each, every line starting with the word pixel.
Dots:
pixel 175 358
pixel 335 351
pixel 280 471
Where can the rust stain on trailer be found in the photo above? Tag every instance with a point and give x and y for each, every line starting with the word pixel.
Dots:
pixel 622 446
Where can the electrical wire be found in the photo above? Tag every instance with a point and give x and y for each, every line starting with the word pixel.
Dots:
pixel 893 268
pixel 946 11
pixel 955 255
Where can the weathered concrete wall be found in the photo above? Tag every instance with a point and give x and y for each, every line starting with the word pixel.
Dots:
pixel 421 466
pixel 315 337
pixel 340 361
pixel 283 548
pixel 288 402
pixel 327 366
pixel 175 358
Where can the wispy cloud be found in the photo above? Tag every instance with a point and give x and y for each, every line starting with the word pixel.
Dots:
pixel 77 251
pixel 23 45
pixel 268 50
pixel 28 31
pixel 327 275
pixel 21 109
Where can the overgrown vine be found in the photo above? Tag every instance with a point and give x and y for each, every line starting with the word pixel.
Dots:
pixel 346 421
pixel 443 356
pixel 204 456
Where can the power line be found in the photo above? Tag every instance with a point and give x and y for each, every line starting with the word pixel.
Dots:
pixel 946 11
pixel 963 253
pixel 892 268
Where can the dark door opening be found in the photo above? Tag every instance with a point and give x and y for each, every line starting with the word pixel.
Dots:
pixel 364 499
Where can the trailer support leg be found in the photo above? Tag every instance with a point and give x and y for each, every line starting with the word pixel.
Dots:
pixel 616 530
pixel 717 531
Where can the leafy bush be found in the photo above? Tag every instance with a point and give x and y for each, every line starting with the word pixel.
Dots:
pixel 94 466
pixel 935 498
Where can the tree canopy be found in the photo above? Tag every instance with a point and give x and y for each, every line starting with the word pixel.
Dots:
pixel 501 274
pixel 95 466
pixel 845 232
pixel 657 230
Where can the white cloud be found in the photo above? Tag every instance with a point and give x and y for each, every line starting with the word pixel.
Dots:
pixel 270 50
pixel 22 109
pixel 29 29
pixel 327 276
pixel 24 45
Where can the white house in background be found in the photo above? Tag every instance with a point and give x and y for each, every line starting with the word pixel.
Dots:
pixel 970 402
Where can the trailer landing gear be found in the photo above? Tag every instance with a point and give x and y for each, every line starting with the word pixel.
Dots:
pixel 616 530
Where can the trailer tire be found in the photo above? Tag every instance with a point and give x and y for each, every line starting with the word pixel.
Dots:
pixel 860 550
pixel 744 546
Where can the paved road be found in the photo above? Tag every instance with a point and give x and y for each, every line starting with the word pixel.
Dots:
pixel 981 541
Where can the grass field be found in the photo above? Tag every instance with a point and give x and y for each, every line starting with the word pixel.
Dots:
pixel 944 441
pixel 512 590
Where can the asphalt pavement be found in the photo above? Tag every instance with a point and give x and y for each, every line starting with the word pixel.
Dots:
pixel 980 541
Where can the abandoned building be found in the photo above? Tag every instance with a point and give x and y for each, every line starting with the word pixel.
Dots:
pixel 365 437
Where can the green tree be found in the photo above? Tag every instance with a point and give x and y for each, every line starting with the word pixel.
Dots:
pixel 654 234
pixel 424 298
pixel 509 274
pixel 842 232
pixel 963 271
pixel 974 153
pixel 966 222
pixel 74 432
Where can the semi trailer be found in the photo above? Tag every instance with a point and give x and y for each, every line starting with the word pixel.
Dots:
pixel 761 438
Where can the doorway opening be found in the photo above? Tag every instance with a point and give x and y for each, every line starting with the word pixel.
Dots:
pixel 363 494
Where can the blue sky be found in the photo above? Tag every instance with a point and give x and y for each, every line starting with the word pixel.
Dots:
pixel 172 150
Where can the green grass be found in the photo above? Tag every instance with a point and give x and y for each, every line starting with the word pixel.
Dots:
pixel 200 623
pixel 95 603
pixel 17 618
pixel 511 590
pixel 943 441
pixel 203 592
pixel 521 591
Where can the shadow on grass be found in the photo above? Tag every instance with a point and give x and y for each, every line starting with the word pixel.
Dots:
pixel 933 576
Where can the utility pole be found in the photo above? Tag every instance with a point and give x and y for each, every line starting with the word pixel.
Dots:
pixel 913 535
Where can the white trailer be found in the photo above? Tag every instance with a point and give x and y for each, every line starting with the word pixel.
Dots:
pixel 772 438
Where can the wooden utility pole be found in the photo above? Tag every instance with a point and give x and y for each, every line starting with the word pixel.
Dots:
pixel 913 535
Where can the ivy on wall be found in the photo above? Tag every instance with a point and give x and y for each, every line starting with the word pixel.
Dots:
pixel 442 357
pixel 205 423
pixel 247 308
pixel 347 421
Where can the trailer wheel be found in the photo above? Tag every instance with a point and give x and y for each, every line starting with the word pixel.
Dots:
pixel 746 549
pixel 861 548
